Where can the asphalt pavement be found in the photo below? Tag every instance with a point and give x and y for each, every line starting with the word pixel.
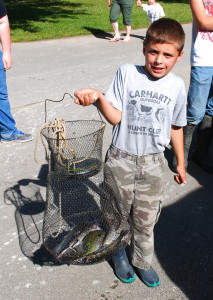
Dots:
pixel 183 236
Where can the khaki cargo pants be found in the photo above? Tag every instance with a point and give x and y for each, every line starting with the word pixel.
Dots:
pixel 140 180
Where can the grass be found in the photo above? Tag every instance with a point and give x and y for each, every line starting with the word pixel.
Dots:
pixel 32 20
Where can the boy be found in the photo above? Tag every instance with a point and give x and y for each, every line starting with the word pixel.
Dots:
pixel 146 105
pixel 154 10
pixel 8 131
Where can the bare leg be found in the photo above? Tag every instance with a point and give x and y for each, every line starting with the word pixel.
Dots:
pixel 116 31
pixel 128 30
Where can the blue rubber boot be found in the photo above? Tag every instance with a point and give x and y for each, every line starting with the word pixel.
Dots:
pixel 149 277
pixel 123 269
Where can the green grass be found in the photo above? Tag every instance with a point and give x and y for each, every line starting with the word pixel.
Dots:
pixel 32 20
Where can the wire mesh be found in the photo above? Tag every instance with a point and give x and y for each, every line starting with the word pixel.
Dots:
pixel 85 220
pixel 78 150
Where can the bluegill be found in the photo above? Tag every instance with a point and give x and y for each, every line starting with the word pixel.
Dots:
pixel 72 244
pixel 93 241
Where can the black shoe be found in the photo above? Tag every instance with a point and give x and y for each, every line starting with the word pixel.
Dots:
pixel 204 151
pixel 124 271
pixel 149 277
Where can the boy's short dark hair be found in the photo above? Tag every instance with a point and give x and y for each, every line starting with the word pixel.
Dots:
pixel 166 30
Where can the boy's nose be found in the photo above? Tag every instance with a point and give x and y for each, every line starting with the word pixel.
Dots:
pixel 158 59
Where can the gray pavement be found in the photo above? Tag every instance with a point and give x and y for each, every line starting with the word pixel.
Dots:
pixel 183 236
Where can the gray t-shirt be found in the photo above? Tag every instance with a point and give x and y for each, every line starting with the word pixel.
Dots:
pixel 149 107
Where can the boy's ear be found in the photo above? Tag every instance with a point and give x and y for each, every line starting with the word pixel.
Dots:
pixel 180 56
pixel 143 50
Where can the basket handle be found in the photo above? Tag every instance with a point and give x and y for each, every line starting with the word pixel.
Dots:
pixel 62 100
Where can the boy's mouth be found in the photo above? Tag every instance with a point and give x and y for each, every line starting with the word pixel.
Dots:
pixel 157 69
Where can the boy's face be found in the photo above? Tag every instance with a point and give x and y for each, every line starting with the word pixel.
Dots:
pixel 160 58
pixel 151 1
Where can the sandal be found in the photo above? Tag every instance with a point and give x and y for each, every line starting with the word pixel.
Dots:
pixel 114 40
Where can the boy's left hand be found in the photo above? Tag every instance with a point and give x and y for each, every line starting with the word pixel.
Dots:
pixel 181 177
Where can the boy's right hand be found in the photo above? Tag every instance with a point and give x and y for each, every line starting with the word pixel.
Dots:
pixel 139 3
pixel 109 3
pixel 87 96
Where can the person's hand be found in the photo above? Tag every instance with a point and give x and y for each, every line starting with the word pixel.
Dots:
pixel 139 3
pixel 109 3
pixel 181 177
pixel 7 61
pixel 87 96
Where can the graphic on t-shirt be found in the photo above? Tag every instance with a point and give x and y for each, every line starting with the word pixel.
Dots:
pixel 146 112
pixel 205 34
pixel 141 112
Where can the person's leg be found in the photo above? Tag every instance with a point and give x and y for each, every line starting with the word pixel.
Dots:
pixel 203 154
pixel 114 15
pixel 209 106
pixel 8 130
pixel 122 168
pixel 7 122
pixel 128 31
pixel 146 210
pixel 199 89
pixel 116 32
pixel 200 83
pixel 126 7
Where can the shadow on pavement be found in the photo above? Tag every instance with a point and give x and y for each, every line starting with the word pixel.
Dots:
pixel 98 33
pixel 183 235
pixel 29 214
pixel 183 239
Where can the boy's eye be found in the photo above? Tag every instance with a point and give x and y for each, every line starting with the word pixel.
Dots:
pixel 153 52
pixel 168 55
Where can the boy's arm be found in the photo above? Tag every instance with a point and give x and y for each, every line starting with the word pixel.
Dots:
pixel 139 3
pixel 109 3
pixel 201 18
pixel 86 97
pixel 5 40
pixel 177 143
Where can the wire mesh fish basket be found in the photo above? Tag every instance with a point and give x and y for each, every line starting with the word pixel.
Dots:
pixel 75 146
pixel 85 220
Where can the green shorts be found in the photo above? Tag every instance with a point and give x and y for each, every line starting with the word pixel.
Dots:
pixel 124 6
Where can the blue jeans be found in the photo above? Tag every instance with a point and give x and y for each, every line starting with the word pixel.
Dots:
pixel 200 96
pixel 7 122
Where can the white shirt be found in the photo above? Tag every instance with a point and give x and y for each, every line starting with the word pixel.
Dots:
pixel 202 42
pixel 154 11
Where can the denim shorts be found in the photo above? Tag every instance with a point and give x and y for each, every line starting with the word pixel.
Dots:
pixel 200 96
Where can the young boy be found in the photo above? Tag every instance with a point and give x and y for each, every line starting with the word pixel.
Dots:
pixel 154 10
pixel 146 106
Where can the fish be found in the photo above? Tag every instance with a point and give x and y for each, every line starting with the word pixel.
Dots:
pixel 110 237
pixel 65 241
pixel 82 233
pixel 69 254
pixel 93 241
pixel 75 243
